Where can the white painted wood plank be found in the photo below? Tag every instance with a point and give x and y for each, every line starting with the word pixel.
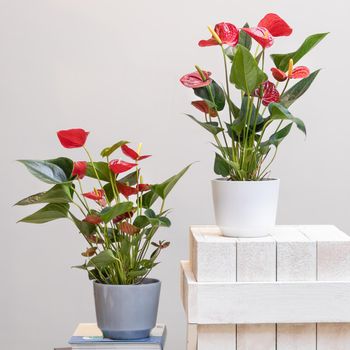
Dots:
pixel 333 251
pixel 296 261
pixel 256 261
pixel 213 256
pixel 335 336
pixel 192 336
pixel 296 336
pixel 265 302
pixel 256 337
pixel 216 337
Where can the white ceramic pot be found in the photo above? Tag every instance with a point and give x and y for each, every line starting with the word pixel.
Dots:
pixel 245 208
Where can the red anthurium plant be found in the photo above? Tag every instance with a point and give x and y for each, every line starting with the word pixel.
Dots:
pixel 118 218
pixel 247 141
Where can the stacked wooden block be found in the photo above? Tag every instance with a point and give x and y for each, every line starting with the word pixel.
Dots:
pixel 287 291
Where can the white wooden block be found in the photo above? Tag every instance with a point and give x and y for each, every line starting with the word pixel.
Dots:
pixel 256 337
pixel 256 261
pixel 335 336
pixel 192 336
pixel 265 302
pixel 216 337
pixel 213 256
pixel 296 336
pixel 333 251
pixel 296 261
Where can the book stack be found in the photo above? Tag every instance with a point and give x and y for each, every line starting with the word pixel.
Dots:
pixel 88 336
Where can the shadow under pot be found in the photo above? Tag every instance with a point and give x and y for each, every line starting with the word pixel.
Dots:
pixel 127 311
pixel 245 208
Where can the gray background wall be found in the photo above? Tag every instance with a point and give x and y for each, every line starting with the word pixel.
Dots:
pixel 112 67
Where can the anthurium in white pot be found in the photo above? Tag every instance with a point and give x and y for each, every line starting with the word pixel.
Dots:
pixel 117 219
pixel 246 197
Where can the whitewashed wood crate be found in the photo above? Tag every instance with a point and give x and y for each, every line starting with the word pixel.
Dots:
pixel 287 291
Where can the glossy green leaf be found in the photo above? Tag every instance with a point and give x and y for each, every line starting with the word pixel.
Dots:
pixel 297 90
pixel 212 127
pixel 108 191
pixel 130 179
pixel 141 221
pixel 106 152
pixel 58 194
pixel 149 198
pixel 163 189
pixel 164 221
pixel 276 138
pixel 282 60
pixel 220 166
pixel 150 213
pixel 45 171
pixel 137 273
pixel 212 93
pixel 277 111
pixel 64 163
pixel 103 259
pixel 50 212
pixel 102 170
pixel 109 213
pixel 245 73
pixel 244 39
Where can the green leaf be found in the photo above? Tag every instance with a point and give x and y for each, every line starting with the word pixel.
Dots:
pixel 45 171
pixel 141 221
pixel 130 178
pixel 102 170
pixel 150 213
pixel 109 191
pixel 137 273
pixel 164 221
pixel 84 227
pixel 103 259
pixel 230 52
pixel 276 138
pixel 244 39
pixel 245 73
pixel 65 164
pixel 163 189
pixel 209 126
pixel 149 198
pixel 282 60
pixel 50 212
pixel 216 96
pixel 106 152
pixel 109 213
pixel 297 90
pixel 277 111
pixel 57 194
pixel 220 166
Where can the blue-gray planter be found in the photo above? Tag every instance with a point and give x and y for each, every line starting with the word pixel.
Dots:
pixel 127 311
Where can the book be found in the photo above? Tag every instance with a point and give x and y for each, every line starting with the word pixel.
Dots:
pixel 88 336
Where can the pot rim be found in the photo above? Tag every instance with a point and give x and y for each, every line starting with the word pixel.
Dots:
pixel 224 180
pixel 151 282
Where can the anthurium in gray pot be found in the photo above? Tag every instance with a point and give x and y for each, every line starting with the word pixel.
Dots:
pixel 118 220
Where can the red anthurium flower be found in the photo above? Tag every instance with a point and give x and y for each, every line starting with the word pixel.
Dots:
pixel 275 25
pixel 119 166
pixel 194 80
pixel 128 228
pixel 126 190
pixel 95 195
pixel 203 107
pixel 72 138
pixel 261 35
pixel 133 154
pixel 270 26
pixel 127 215
pixel 227 32
pixel 93 219
pixel 297 73
pixel 143 187
pixel 268 94
pixel 79 169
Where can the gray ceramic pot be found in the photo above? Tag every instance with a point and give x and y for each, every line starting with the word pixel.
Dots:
pixel 127 311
